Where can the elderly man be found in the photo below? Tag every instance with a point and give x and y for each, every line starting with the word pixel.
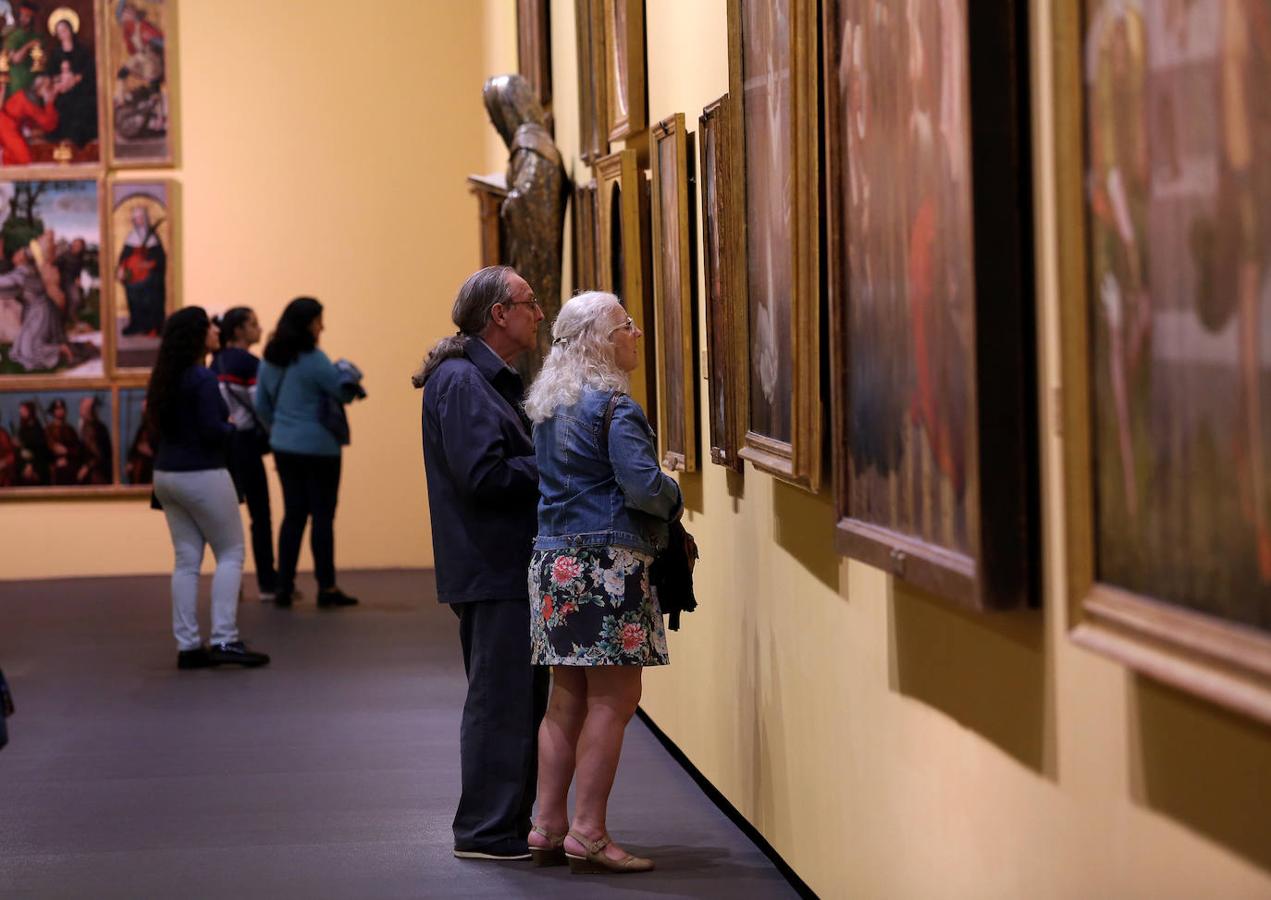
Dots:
pixel 483 499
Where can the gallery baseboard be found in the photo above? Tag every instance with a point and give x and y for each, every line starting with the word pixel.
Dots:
pixel 726 807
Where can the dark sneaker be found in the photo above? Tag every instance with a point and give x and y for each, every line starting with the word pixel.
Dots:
pixel 197 658
pixel 284 598
pixel 236 653
pixel 335 597
pixel 503 850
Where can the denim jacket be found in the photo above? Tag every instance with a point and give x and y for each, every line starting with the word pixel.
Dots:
pixel 590 499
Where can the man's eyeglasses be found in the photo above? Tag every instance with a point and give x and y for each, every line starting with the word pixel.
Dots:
pixel 628 326
pixel 533 302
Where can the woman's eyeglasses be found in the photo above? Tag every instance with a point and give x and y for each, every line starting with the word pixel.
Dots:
pixel 628 326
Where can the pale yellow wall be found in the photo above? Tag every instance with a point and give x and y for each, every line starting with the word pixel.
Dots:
pixel 890 746
pixel 325 147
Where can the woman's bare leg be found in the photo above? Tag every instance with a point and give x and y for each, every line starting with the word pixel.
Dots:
pixel 557 743
pixel 613 692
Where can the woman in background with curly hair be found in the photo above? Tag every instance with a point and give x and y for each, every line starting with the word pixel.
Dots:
pixel 189 422
pixel 604 510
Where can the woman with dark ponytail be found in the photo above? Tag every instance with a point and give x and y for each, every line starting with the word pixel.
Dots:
pixel 297 385
pixel 189 422
pixel 235 367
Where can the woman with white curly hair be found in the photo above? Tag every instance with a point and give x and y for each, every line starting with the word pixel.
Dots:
pixel 602 516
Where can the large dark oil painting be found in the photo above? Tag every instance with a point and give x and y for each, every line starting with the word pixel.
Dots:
pixel 1178 174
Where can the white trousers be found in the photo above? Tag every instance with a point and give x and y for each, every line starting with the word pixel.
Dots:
pixel 202 509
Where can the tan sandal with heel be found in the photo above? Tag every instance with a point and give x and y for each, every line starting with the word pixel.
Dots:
pixel 596 863
pixel 551 855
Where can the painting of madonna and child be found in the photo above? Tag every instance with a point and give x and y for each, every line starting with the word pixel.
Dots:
pixel 48 69
pixel 1178 164
pixel 141 234
pixel 50 284
pixel 55 439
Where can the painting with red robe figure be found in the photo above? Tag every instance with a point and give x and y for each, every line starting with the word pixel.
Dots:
pixel 931 296
pixel 50 114
pixel 1178 174
pixel 140 37
pixel 141 268
pixel 906 250
pixel 55 439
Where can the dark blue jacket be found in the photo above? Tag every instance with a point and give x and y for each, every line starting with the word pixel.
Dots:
pixel 599 491
pixel 193 437
pixel 482 478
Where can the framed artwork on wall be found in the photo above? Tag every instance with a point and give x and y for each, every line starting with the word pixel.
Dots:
pixel 624 67
pixel 725 327
pixel 773 89
pixel 1165 275
pixel 52 111
pixel 593 116
pixel 929 262
pixel 624 260
pixel 136 452
pixel 534 49
pixel 142 270
pixel 585 245
pixel 141 47
pixel 58 441
pixel 674 292
pixel 51 302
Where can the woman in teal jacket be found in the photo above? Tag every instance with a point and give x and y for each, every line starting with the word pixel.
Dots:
pixel 293 386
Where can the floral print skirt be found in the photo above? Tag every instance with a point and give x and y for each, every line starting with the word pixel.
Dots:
pixel 592 606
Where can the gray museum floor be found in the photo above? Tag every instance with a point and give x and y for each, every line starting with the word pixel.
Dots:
pixel 331 773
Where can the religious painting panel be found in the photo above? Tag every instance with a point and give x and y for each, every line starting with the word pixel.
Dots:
pixel 593 114
pixel 585 242
pixel 49 71
pixel 51 308
pixel 675 282
pixel 136 451
pixel 625 258
pixel 56 441
pixel 725 331
pixel 930 295
pixel 773 88
pixel 624 41
pixel 142 229
pixel 1166 190
pixel 534 49
pixel 141 43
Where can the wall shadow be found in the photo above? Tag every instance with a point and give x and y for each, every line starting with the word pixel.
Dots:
pixel 989 673
pixel 691 488
pixel 804 526
pixel 1202 766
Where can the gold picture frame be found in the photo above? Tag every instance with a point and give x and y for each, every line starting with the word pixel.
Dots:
pixel 14 458
pixel 141 89
pixel 534 49
pixel 625 89
pixel 68 168
pixel 776 188
pixel 622 231
pixel 593 122
pixel 725 326
pixel 161 198
pixel 674 292
pixel 66 219
pixel 1218 659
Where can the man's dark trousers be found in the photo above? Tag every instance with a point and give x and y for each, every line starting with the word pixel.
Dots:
pixel 498 738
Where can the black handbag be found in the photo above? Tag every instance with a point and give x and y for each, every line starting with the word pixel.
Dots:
pixel 6 709
pixel 671 573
